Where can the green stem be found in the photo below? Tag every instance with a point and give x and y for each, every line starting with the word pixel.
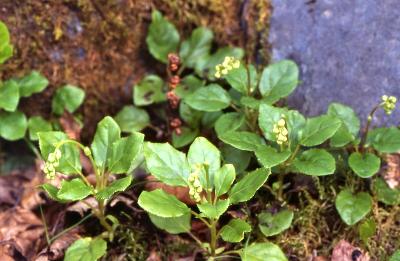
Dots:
pixel 201 218
pixel 369 120
pixel 213 231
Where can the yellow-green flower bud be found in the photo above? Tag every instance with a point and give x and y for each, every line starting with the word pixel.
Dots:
pixel 388 103
pixel 87 151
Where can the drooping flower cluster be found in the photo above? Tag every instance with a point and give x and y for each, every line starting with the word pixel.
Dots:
pixel 388 103
pixel 228 64
pixel 195 187
pixel 53 161
pixel 281 132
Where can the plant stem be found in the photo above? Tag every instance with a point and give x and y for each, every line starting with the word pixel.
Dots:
pixel 213 231
pixel 369 120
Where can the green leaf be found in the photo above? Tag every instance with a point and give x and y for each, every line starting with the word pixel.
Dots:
pixel 279 80
pixel 37 124
pixel 162 204
pixel 385 140
pixel 52 192
pixel 248 185
pixel 274 224
pixel 350 124
pixel 167 164
pixel 13 125
pixel 73 190
pixel 131 119
pixel 269 157
pixel 162 37
pixel 319 129
pixel 67 98
pixel 209 119
pixel 242 140
pixel 315 162
pixel 70 161
pixel 229 122
pixel 385 194
pixel 223 179
pixel 191 116
pixel 124 153
pixel 197 47
pixel 239 79
pixel 367 229
pixel 148 91
pixel 262 252
pixel 267 118
pixel 173 225
pixel 234 230
pixel 239 158
pixel 6 52
pixel 107 133
pixel 117 186
pixel 204 152
pixel 364 165
pixel 32 83
pixel 204 65
pixel 9 95
pixel 188 85
pixel 210 98
pixel 395 256
pixel 353 208
pixel 186 137
pixel 6 49
pixel 210 210
pixel 86 249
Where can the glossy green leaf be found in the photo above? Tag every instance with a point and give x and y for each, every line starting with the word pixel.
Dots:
pixel 124 153
pixel 385 194
pixel 188 85
pixel 74 190
pixel 197 47
pixel 352 208
pixel 70 161
pixel 230 121
pixel 32 83
pixel 162 204
pixel 107 133
pixel 223 179
pixel 267 118
pixel 116 186
pixel 149 91
pixel 209 119
pixel 162 37
pixel 366 230
pixel 238 158
pixel 239 79
pixel 13 125
pixel 262 252
pixel 210 98
pixel 243 140
pixel 37 124
pixel 173 225
pixel 86 249
pixel 6 49
pixel 319 129
pixel 167 164
pixel 248 185
pixel 278 80
pixel 214 211
pixel 350 127
pixel 234 230
pixel 202 152
pixel 52 192
pixel 315 162
pixel 270 157
pixel 186 137
pixel 385 140
pixel 67 98
pixel 131 119
pixel 364 165
pixel 274 224
pixel 9 95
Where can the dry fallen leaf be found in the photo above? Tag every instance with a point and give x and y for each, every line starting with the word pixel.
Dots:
pixel 182 193
pixel 392 173
pixel 82 206
pixel 344 251
pixel 154 256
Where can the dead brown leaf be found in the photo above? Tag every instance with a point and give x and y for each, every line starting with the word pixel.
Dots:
pixel 71 126
pixel 344 251
pixel 23 228
pixel 182 193
pixel 154 256
pixel 392 173
pixel 83 206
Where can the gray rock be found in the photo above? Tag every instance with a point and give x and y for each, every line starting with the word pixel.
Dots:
pixel 348 52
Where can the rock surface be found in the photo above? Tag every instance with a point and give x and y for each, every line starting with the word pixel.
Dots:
pixel 348 52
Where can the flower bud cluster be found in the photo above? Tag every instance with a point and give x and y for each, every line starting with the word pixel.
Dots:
pixel 195 187
pixel 281 132
pixel 228 64
pixel 388 103
pixel 53 161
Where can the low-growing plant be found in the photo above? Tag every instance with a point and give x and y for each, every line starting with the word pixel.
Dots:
pixel 110 155
pixel 213 187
